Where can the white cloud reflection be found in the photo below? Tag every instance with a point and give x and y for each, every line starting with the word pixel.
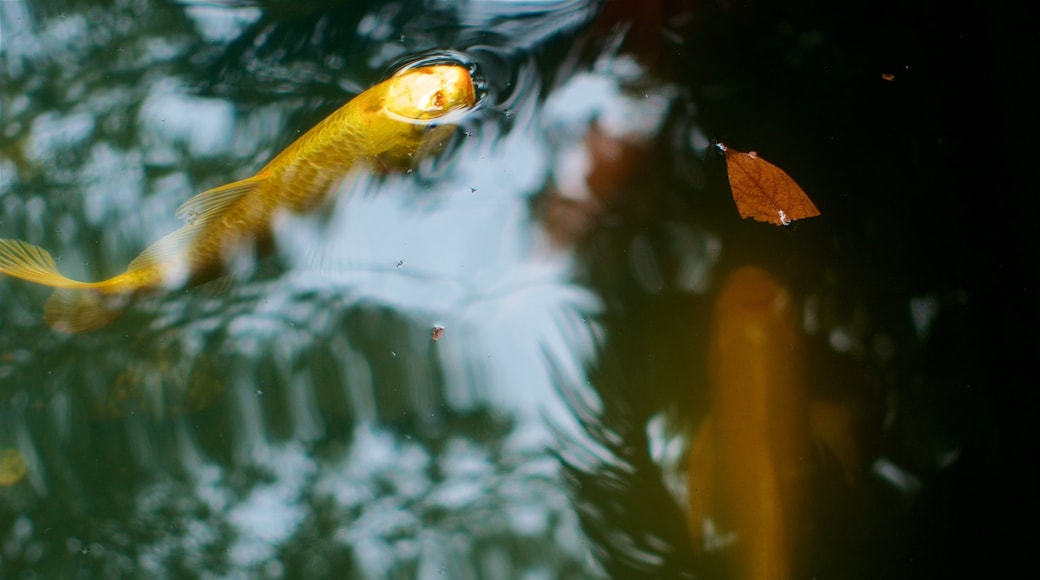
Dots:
pixel 463 253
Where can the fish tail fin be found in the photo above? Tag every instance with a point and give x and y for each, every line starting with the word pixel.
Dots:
pixel 75 306
pixel 28 262
pixel 75 310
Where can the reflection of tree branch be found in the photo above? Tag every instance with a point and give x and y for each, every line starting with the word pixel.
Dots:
pixel 614 481
pixel 470 295
pixel 297 47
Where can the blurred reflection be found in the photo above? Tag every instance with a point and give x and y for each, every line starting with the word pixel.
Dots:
pixel 751 461
pixel 12 467
pixel 303 422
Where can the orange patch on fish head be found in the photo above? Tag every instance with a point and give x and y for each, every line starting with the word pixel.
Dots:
pixel 753 307
pixel 430 92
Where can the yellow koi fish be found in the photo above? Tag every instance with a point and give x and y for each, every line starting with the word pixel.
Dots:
pixel 383 126
pixel 750 462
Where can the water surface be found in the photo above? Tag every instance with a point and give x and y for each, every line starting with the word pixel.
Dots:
pixel 303 422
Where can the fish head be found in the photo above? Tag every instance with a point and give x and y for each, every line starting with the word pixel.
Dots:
pixel 753 308
pixel 430 93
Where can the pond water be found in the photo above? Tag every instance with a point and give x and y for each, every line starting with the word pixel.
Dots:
pixel 498 363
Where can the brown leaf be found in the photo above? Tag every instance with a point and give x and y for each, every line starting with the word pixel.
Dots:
pixel 763 191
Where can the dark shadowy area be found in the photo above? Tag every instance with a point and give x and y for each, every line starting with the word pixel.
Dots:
pixel 897 119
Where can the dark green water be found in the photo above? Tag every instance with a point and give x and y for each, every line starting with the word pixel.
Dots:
pixel 303 423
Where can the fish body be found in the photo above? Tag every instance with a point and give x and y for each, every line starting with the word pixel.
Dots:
pixel 748 462
pixel 383 127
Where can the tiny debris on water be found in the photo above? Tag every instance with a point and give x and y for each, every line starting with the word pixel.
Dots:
pixel 438 332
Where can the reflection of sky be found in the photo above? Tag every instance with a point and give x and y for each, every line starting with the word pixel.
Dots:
pixel 202 125
pixel 471 261
pixel 220 23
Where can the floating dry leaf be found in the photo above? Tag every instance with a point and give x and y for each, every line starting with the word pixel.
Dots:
pixel 763 191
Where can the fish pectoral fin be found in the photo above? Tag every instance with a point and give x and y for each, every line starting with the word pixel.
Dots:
pixel 833 427
pixel 217 286
pixel 214 202
pixel 74 311
pixel 699 482
pixel 28 262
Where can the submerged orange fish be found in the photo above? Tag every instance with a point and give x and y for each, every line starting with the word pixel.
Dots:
pixel 383 126
pixel 750 461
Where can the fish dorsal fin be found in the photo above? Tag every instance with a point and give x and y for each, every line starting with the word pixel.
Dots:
pixel 197 212
pixel 217 286
pixel 213 202
pixel 166 250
